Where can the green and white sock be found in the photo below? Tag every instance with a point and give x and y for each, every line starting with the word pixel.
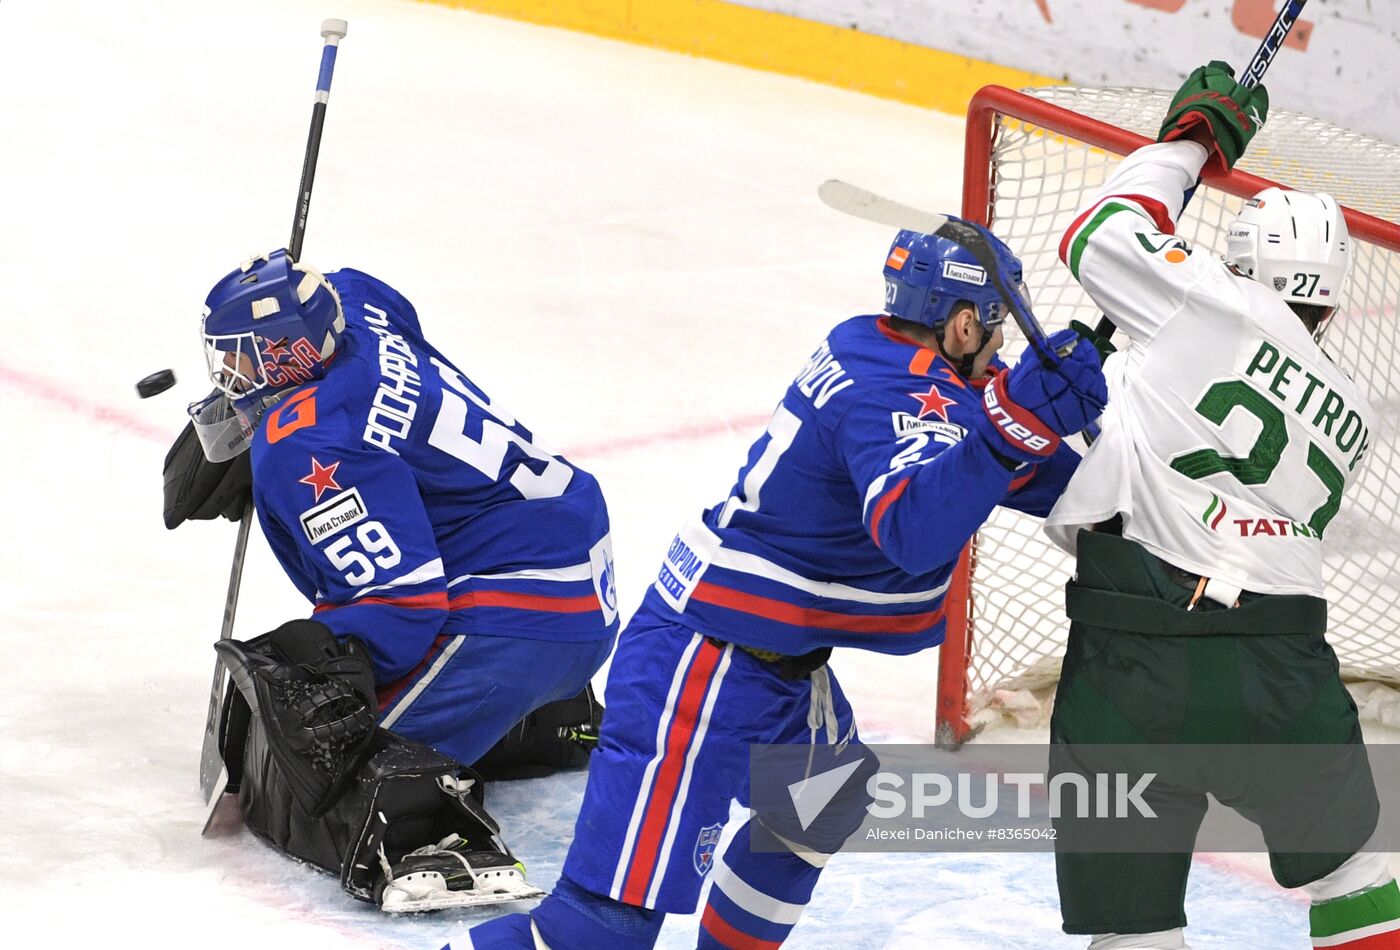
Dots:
pixel 1366 920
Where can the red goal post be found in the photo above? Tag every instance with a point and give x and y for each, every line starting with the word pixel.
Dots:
pixel 1031 161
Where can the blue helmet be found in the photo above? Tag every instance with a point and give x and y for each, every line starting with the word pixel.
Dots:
pixel 268 326
pixel 926 275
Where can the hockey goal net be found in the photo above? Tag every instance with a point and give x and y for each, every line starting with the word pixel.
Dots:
pixel 1032 160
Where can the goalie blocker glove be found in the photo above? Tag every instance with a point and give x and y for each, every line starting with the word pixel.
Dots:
pixel 1029 407
pixel 1212 98
pixel 197 489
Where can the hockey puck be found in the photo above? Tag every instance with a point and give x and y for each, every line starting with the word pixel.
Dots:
pixel 156 383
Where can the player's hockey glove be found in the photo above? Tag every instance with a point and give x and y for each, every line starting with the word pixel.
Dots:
pixel 1211 99
pixel 1029 408
pixel 1102 345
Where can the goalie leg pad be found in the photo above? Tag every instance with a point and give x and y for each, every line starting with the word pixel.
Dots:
pixel 318 781
pixel 405 797
pixel 408 795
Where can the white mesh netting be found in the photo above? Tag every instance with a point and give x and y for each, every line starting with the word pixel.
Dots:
pixel 1040 179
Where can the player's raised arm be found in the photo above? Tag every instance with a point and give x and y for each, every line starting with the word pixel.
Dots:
pixel 995 426
pixel 1021 418
pixel 1122 246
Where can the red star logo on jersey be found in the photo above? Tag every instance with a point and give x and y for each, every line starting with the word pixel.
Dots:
pixel 933 401
pixel 322 477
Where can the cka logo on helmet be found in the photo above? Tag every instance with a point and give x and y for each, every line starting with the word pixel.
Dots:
pixel 286 363
pixel 1280 283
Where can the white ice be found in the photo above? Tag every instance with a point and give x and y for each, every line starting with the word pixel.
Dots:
pixel 621 245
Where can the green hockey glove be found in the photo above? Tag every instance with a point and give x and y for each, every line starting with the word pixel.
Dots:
pixel 1212 101
pixel 1102 344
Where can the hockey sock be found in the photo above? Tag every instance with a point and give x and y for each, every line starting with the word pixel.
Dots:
pixel 756 897
pixel 511 932
pixel 1366 920
pixel 573 918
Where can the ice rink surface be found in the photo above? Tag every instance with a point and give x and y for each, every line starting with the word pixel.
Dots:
pixel 622 246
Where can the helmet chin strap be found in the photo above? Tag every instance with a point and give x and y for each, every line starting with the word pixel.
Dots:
pixel 963 364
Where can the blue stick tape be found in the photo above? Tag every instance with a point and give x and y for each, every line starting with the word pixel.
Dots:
pixel 323 81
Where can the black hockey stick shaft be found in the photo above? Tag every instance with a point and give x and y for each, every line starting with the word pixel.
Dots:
pixel 868 206
pixel 213 771
pixel 975 239
pixel 333 31
pixel 1273 42
pixel 1252 76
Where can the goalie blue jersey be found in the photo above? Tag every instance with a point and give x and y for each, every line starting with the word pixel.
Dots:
pixel 409 508
pixel 846 523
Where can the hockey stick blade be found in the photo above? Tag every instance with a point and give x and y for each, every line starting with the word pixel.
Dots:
pixel 868 206
pixel 849 199
pixel 221 817
pixel 211 760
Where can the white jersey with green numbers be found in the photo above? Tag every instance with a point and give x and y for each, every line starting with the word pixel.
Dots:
pixel 1229 436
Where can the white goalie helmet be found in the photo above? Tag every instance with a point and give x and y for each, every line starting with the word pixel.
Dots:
pixel 1294 242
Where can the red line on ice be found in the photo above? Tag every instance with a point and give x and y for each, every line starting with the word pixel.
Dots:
pixel 685 433
pixel 56 393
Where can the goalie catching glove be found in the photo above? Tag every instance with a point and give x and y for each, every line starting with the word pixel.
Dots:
pixel 1212 100
pixel 1030 407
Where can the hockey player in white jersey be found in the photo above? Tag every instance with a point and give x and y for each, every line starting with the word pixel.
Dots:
pixel 1198 518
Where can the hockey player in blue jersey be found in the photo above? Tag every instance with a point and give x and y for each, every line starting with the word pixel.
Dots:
pixel 452 561
pixel 888 451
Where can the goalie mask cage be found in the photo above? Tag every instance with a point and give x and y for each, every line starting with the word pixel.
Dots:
pixel 1032 161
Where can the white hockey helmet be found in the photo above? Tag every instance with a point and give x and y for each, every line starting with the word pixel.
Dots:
pixel 1294 242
